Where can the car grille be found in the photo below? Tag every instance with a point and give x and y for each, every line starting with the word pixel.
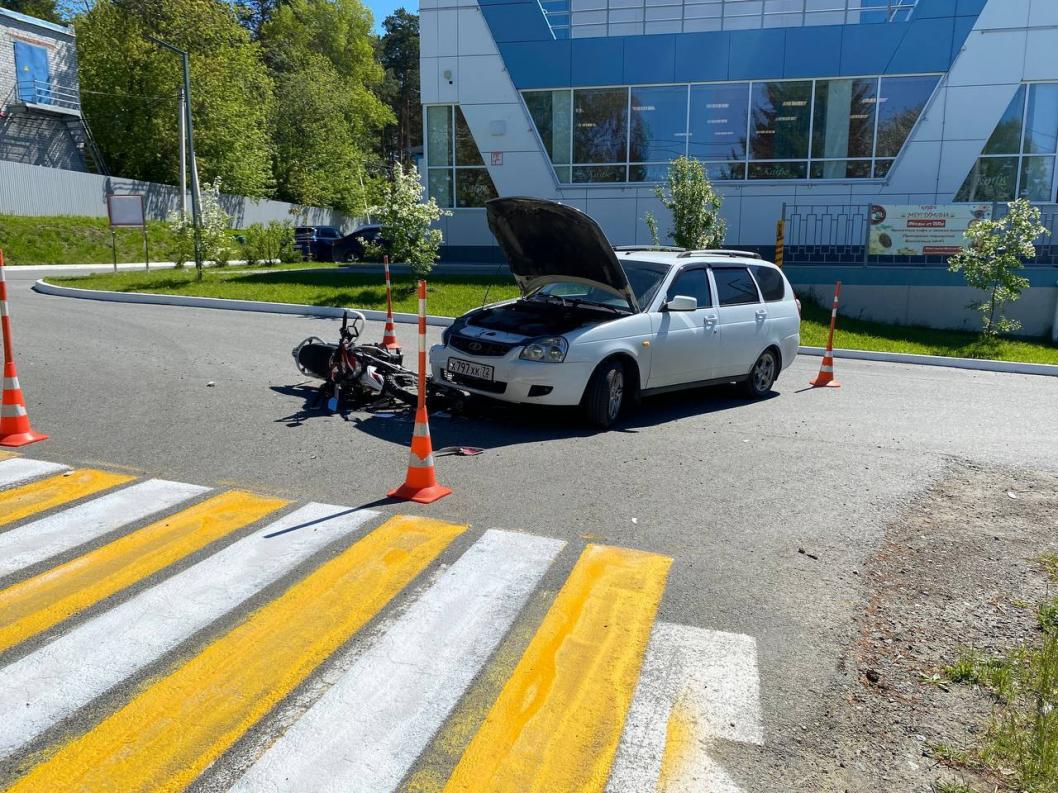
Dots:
pixel 489 386
pixel 484 349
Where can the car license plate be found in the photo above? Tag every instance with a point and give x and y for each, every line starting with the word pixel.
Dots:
pixel 470 369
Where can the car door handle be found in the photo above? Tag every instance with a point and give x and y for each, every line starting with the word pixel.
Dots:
pixel 710 319
pixel 762 314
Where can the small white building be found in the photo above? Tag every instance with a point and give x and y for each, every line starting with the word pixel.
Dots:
pixel 40 101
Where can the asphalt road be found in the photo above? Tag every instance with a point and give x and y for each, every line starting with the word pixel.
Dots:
pixel 729 489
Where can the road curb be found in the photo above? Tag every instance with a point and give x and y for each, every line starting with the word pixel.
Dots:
pixel 228 304
pixel 978 364
pixel 44 287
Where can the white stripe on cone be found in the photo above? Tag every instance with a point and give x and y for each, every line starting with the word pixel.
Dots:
pixel 10 411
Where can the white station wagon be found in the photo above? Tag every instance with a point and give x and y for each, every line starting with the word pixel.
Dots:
pixel 599 327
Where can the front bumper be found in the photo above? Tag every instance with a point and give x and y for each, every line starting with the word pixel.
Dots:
pixel 517 380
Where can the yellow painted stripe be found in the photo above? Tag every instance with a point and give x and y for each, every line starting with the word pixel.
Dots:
pixel 38 603
pixel 168 734
pixel 21 502
pixel 7 455
pixel 556 724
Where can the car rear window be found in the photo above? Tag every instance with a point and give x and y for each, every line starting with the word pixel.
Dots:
pixel 303 230
pixel 734 286
pixel 771 283
pixel 692 283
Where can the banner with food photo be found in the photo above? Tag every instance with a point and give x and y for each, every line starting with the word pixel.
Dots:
pixel 924 229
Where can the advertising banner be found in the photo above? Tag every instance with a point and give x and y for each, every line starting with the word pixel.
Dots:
pixel 922 230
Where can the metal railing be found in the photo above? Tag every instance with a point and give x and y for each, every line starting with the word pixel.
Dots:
pixel 600 18
pixel 46 92
pixel 840 234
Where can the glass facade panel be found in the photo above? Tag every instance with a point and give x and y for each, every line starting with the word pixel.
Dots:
pixel 600 173
pixel 718 121
pixel 843 120
pixel 449 142
pixel 778 170
pixel 658 124
pixel 901 101
pixel 1006 138
pixel 466 149
pixel 439 186
pixel 473 187
pixel 439 134
pixel 992 179
pixel 781 115
pixel 841 169
pixel 601 131
pixel 841 128
pixel 551 113
pixel 1041 121
pixel 1037 176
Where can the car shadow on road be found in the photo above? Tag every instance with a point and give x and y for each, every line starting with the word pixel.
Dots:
pixel 492 425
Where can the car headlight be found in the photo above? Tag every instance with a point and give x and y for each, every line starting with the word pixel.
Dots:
pixel 550 349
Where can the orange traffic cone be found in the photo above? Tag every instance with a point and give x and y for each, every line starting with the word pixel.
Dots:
pixel 14 421
pixel 825 378
pixel 389 335
pixel 420 483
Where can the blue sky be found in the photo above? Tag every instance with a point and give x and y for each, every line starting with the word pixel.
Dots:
pixel 383 8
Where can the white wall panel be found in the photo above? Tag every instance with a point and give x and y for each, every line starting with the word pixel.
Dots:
pixel 447 87
pixel 990 57
pixel 474 35
pixel 1005 14
pixel 1043 12
pixel 447 32
pixel 1041 54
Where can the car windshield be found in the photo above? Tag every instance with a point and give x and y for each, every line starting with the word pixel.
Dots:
pixel 644 277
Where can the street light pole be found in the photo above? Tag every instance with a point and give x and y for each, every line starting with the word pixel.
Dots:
pixel 183 157
pixel 196 196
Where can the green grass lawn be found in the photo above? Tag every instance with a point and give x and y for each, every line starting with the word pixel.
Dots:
pixel 448 296
pixel 453 295
pixel 78 240
pixel 858 334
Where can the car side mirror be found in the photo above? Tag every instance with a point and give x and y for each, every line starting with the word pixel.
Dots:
pixel 682 303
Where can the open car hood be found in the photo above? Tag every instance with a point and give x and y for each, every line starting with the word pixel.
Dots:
pixel 545 241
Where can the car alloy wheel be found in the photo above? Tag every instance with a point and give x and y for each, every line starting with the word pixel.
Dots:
pixel 615 382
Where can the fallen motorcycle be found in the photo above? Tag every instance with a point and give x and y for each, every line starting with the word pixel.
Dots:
pixel 358 375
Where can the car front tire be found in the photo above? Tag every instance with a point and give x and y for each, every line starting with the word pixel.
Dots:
pixel 762 375
pixel 605 395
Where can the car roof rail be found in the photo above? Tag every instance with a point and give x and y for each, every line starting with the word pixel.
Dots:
pixel 722 252
pixel 659 248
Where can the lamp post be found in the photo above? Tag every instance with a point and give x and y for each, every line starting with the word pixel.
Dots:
pixel 196 196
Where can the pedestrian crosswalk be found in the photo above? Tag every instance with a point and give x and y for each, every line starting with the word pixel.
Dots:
pixel 147 628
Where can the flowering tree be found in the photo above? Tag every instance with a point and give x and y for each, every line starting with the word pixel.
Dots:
pixel 406 220
pixel 216 243
pixel 992 258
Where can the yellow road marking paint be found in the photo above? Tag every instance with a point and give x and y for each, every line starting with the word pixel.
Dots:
pixel 679 740
pixel 557 723
pixel 38 603
pixel 21 502
pixel 168 734
pixel 7 455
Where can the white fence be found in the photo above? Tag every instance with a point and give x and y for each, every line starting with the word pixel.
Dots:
pixel 36 190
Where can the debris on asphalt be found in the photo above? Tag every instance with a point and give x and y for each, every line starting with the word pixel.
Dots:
pixel 803 552
pixel 210 384
pixel 458 451
pixel 1012 494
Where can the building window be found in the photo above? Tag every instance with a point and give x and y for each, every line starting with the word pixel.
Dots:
pixel 781 129
pixel 1017 161
pixel 456 175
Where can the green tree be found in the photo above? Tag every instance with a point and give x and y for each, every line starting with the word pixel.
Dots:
pixel 398 52
pixel 992 258
pixel 130 89
pixel 694 204
pixel 47 10
pixel 408 220
pixel 327 119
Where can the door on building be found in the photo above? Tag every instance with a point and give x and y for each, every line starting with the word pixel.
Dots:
pixel 33 78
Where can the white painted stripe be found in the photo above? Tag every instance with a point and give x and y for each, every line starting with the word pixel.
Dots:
pixel 45 686
pixel 11 383
pixel 827 369
pixel 414 461
pixel 3 309
pixel 712 679
pixel 365 733
pixel 64 530
pixel 8 411
pixel 20 470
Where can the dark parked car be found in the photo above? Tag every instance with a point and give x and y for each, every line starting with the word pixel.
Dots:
pixel 350 248
pixel 315 242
